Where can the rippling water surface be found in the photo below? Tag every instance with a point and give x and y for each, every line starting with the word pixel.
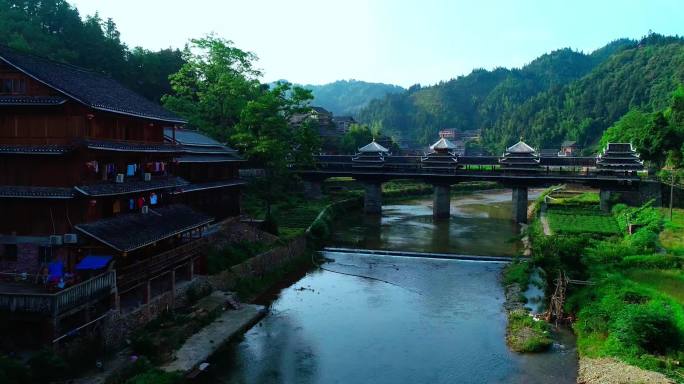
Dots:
pixel 378 319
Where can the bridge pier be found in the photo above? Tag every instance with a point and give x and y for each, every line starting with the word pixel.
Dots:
pixel 372 198
pixel 313 189
pixel 441 201
pixel 520 205
pixel 604 199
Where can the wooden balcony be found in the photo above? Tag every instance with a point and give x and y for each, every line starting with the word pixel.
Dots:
pixel 18 298
pixel 151 267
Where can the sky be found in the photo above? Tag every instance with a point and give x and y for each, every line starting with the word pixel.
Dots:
pixel 400 42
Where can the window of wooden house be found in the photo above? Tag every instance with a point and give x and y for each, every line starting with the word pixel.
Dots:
pixel 8 252
pixel 12 86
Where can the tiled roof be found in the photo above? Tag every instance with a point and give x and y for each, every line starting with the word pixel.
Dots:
pixel 199 148
pixel 520 147
pixel 191 158
pixel 320 110
pixel 130 231
pixel 122 146
pixel 373 147
pixel 29 192
pixel 134 186
pixel 443 144
pixel 190 137
pixel 31 100
pixel 87 87
pixel 35 149
pixel 345 119
pixel 210 185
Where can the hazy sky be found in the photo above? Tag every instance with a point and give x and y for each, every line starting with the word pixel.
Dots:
pixel 393 41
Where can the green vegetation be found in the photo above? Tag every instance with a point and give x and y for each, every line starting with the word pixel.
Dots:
pixel 348 97
pixel 633 311
pixel 566 221
pixel 563 95
pixel 517 272
pixel 54 29
pixel 527 334
pixel 156 376
pixel 220 259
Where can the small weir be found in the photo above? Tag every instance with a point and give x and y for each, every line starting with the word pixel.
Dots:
pixel 427 255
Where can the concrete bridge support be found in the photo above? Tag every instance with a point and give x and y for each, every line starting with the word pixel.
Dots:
pixel 604 199
pixel 313 189
pixel 372 199
pixel 441 201
pixel 520 205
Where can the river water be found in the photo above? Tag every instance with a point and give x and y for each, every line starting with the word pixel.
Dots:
pixel 365 318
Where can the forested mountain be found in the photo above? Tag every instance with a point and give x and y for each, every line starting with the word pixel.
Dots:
pixel 348 97
pixel 54 29
pixel 561 95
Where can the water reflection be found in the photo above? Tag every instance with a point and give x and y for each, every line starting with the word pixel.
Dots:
pixel 397 319
pixel 480 224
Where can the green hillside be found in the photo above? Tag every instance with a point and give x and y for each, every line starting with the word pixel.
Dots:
pixel 348 97
pixel 561 95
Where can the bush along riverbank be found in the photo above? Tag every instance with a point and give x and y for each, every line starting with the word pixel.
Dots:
pixel 624 297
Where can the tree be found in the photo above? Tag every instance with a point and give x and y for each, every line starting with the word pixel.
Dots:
pixel 267 138
pixel 214 85
pixel 357 136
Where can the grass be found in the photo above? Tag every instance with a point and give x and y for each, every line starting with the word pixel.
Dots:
pixel 527 334
pixel 517 272
pixel 672 236
pixel 581 220
pixel 670 282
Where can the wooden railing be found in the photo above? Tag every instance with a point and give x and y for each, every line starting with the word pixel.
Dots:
pixel 60 302
pixel 134 274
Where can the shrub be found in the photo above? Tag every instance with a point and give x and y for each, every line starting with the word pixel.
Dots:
pixel 517 272
pixel 649 326
pixel 47 366
pixel 12 372
pixel 141 365
pixel 656 261
pixel 156 376
pixel 270 225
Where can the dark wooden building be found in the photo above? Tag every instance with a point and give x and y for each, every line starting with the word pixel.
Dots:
pixel 103 197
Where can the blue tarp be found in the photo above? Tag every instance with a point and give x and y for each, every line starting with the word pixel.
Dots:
pixel 93 262
pixel 55 270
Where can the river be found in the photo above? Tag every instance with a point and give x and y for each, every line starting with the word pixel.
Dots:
pixel 379 319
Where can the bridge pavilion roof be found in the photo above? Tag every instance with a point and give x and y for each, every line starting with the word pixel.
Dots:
pixel 520 156
pixel 373 147
pixel 443 145
pixel 520 147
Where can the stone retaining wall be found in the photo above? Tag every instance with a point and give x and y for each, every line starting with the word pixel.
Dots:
pixel 118 326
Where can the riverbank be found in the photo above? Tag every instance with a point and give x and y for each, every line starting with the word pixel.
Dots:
pixel 623 299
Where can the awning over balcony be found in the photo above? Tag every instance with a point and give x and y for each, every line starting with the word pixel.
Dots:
pixel 93 263
pixel 131 231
